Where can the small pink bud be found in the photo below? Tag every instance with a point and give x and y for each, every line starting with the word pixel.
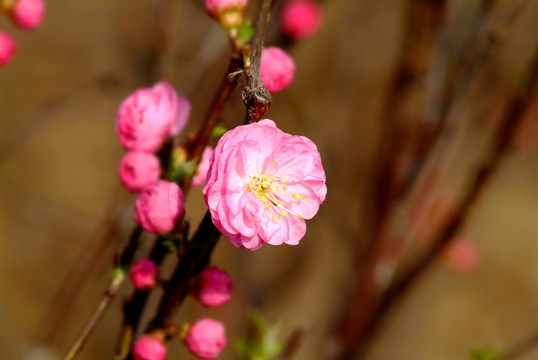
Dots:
pixel 146 117
pixel 300 18
pixel 206 339
pixel 462 254
pixel 159 206
pixel 213 287
pixel 28 14
pixel 144 274
pixel 199 178
pixel 228 12
pixel 149 347
pixel 138 169
pixel 276 70
pixel 7 48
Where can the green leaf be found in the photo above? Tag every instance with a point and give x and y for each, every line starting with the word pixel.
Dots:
pixel 244 33
pixel 170 241
pixel 484 354
pixel 262 342
pixel 182 171
pixel 218 131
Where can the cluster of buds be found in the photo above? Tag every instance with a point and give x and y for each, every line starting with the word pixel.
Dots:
pixel 205 338
pixel 25 14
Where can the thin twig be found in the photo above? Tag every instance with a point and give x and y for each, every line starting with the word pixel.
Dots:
pixel 521 348
pixel 123 260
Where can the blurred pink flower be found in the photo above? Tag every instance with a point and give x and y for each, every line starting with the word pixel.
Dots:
pixel 149 347
pixel 300 18
pixel 199 178
pixel 146 117
pixel 28 14
pixel 213 287
pixel 183 113
pixel 159 206
pixel 276 70
pixel 218 6
pixel 262 184
pixel 7 48
pixel 144 274
pixel 462 254
pixel 206 338
pixel 138 169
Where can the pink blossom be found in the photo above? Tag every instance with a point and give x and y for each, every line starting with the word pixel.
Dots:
pixel 159 206
pixel 138 169
pixel 218 6
pixel 7 48
pixel 28 14
pixel 206 338
pixel 146 117
pixel 276 70
pixel 149 347
pixel 300 18
pixel 183 113
pixel 462 254
pixel 213 287
pixel 262 184
pixel 144 274
pixel 199 178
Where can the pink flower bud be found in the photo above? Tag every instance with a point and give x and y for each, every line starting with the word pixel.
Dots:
pixel 146 117
pixel 276 70
pixel 149 347
pixel 138 169
pixel 199 178
pixel 28 14
pixel 300 18
pixel 7 48
pixel 144 274
pixel 217 7
pixel 206 338
pixel 213 287
pixel 159 206
pixel 462 255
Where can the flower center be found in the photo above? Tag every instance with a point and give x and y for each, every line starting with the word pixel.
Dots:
pixel 272 191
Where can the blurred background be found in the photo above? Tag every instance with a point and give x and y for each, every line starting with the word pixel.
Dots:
pixel 419 87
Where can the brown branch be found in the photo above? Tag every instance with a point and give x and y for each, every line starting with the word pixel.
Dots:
pixel 521 348
pixel 256 98
pixel 195 259
pixel 123 261
pixel 510 122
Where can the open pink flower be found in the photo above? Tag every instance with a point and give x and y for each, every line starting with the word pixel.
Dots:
pixel 146 117
pixel 262 184
pixel 28 14
pixel 138 169
pixel 300 18
pixel 7 48
pixel 206 339
pixel 149 347
pixel 276 70
pixel 213 287
pixel 199 178
pixel 159 206
pixel 144 274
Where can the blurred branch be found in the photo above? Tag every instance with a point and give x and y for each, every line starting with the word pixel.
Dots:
pixel 512 118
pixel 123 262
pixel 521 348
